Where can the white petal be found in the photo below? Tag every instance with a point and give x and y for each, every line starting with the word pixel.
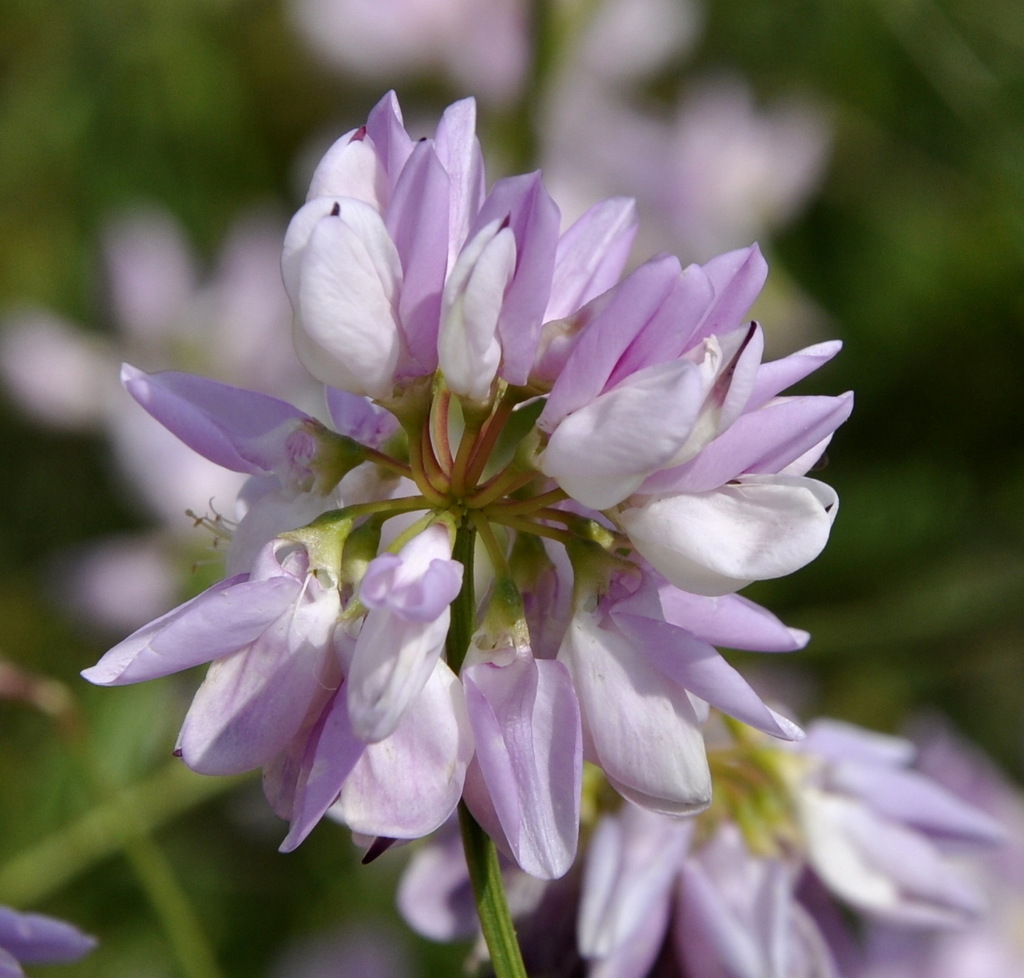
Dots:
pixel 468 347
pixel 716 542
pixel 604 451
pixel 345 328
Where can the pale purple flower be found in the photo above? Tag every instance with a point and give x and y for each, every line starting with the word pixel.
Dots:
pixel 32 938
pixel 403 635
pixel 878 832
pixel 617 452
pixel 993 944
pixel 730 893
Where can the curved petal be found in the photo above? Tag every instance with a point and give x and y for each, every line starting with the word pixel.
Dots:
pixel 406 786
pixel 238 429
pixel 729 620
pixel 393 660
pixel 698 667
pixel 632 860
pixel 345 329
pixel 533 218
pixel 601 453
pixel 252 703
pixel 765 441
pixel 33 938
pixel 526 724
pixel 591 255
pixel 468 348
pixel 216 623
pixel 758 528
pixel 458 149
pixel 417 219
pixel 331 752
pixel 639 726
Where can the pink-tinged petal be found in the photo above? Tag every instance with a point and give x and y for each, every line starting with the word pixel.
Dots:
pixel 252 703
pixel 737 277
pixel 221 620
pixel 737 915
pixel 668 332
pixel 838 741
pixel 406 786
pixel 765 441
pixel 350 168
pixel 468 348
pixel 635 957
pixel 435 896
pixel 417 219
pixel 729 620
pixel 526 724
pixel 458 149
pixel 345 329
pixel 914 799
pixel 597 454
pixel 533 217
pixel 717 542
pixel 776 375
pixel 394 146
pixel 623 312
pixel 698 667
pixel 296 240
pixel 359 418
pixel 403 635
pixel 632 860
pixel 881 867
pixel 393 660
pixel 331 753
pixel 238 429
pixel 33 938
pixel 591 255
pixel 417 583
pixel 638 726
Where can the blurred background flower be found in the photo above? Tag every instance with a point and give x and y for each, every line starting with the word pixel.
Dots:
pixel 874 150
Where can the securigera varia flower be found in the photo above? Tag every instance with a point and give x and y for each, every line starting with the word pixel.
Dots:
pixel 603 462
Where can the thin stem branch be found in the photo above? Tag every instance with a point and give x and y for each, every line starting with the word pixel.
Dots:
pixel 537 505
pixel 528 526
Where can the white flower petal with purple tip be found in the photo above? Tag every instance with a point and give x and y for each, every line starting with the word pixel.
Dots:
pixel 403 635
pixel 526 725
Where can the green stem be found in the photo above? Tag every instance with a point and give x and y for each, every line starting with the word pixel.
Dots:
pixel 491 905
pixel 463 620
pixel 35 874
pixel 481 856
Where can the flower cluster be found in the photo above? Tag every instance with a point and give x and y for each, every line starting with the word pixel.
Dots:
pixel 603 460
pixel 747 888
